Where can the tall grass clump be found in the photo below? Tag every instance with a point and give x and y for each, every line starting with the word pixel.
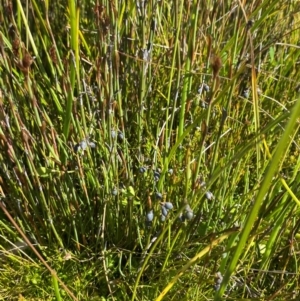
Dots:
pixel 149 150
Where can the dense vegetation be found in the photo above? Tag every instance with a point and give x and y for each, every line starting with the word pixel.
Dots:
pixel 149 150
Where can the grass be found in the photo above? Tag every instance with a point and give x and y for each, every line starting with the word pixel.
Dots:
pixel 109 109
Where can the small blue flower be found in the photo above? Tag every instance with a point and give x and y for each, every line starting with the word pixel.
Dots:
pixel 143 169
pixel 82 145
pixel 209 195
pixel 206 87
pixel 150 216
pixel 77 148
pixel 188 212
pixel 156 173
pixel 168 205
pixel 203 87
pixel 91 144
pixel 120 135
pixel 113 134
pixel 164 211
pixel 246 93
pixel 158 195
pixel 189 215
